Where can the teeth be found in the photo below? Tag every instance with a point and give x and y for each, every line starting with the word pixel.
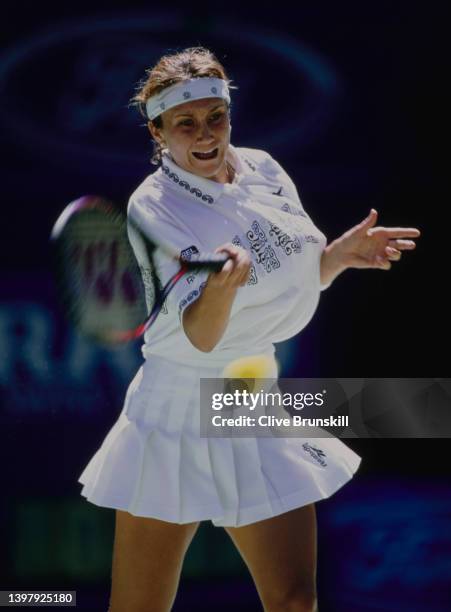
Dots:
pixel 205 152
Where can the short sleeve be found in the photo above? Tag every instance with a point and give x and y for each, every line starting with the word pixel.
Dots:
pixel 186 291
pixel 290 190
pixel 151 221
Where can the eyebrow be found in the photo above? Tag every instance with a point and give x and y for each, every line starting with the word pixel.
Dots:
pixel 189 115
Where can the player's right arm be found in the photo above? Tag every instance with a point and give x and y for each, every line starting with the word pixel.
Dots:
pixel 205 320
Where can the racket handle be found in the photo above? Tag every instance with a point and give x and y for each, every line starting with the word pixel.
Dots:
pixel 205 261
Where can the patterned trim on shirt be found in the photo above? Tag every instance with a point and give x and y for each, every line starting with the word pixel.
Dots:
pixel 191 296
pixel 150 281
pixel 205 197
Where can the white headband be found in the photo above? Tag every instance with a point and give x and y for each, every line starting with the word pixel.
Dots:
pixel 191 89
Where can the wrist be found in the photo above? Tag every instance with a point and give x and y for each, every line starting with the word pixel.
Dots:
pixel 333 263
pixel 214 288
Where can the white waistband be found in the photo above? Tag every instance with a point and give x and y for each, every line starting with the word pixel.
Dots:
pixel 214 360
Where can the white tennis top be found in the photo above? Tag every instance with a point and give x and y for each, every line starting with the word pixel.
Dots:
pixel 260 211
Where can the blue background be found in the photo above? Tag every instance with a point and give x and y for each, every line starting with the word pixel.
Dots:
pixel 349 98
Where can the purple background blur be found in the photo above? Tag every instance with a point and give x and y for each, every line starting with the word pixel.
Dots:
pixel 348 97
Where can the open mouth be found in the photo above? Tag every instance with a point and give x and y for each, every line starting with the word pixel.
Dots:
pixel 207 155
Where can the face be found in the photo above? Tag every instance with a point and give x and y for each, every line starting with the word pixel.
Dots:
pixel 197 127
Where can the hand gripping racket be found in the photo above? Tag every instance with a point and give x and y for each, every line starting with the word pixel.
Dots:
pixel 105 293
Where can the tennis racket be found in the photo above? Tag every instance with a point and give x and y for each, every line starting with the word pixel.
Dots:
pixel 104 292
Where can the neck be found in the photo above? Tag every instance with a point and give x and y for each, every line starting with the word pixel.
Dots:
pixel 230 172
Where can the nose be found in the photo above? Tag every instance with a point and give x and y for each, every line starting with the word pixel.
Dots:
pixel 204 132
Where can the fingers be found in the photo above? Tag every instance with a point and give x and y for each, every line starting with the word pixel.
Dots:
pixel 402 245
pixel 235 272
pixel 240 273
pixel 395 232
pixel 392 251
pixel 231 250
pixel 370 220
pixel 393 254
pixel 383 264
pixel 228 247
pixel 398 232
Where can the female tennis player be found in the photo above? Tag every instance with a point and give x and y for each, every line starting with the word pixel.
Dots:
pixel 153 467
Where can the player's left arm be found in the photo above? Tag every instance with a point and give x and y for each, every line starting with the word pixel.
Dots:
pixel 365 246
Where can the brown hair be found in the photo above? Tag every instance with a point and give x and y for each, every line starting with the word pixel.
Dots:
pixel 193 62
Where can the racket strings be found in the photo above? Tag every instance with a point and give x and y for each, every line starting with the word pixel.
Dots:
pixel 102 283
pixel 110 272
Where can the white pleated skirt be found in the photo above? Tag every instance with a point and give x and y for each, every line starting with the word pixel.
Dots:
pixel 153 462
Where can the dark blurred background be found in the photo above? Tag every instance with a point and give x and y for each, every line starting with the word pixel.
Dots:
pixel 349 98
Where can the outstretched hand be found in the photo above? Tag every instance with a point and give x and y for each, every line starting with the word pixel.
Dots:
pixel 366 246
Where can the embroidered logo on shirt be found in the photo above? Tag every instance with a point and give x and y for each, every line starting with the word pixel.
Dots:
pixel 253 280
pixel 187 255
pixel 262 248
pixel 284 240
pixel 297 211
pixel 316 453
pixel 251 166
pixel 189 252
pixel 310 238
pixel 205 197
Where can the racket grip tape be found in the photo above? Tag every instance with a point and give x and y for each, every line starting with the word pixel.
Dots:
pixel 205 261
